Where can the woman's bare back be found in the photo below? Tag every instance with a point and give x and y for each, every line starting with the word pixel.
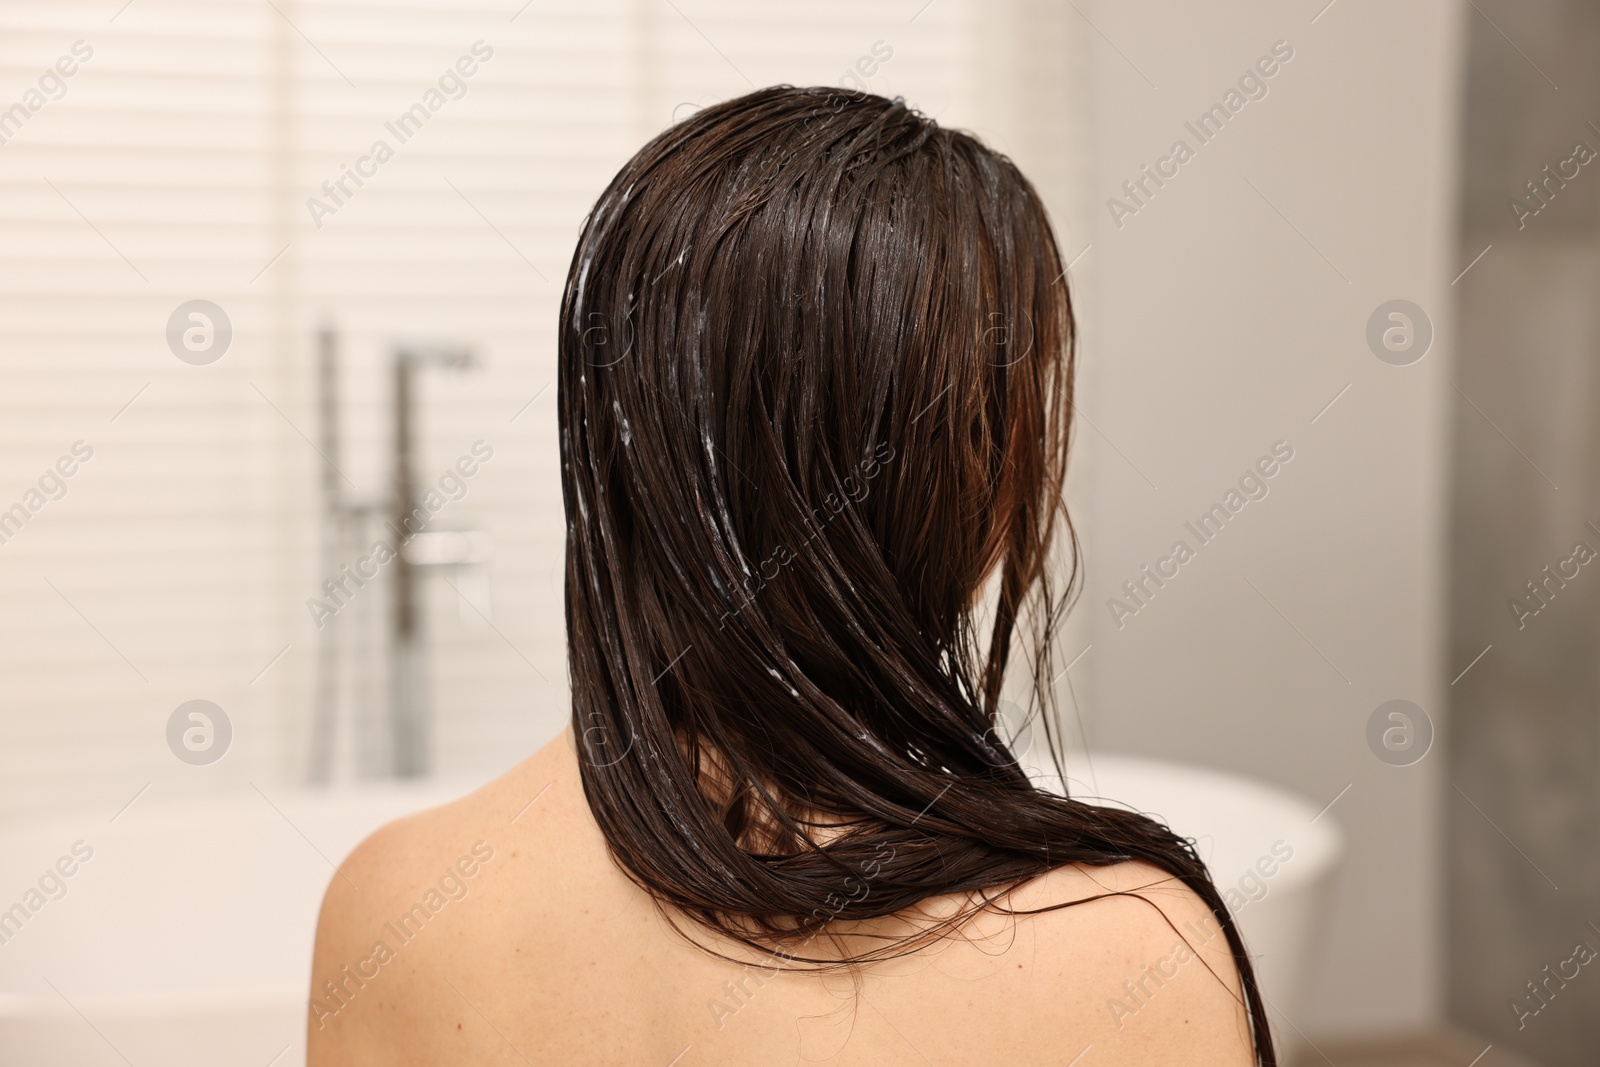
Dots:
pixel 498 930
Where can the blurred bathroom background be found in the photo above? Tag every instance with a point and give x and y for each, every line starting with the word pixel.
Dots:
pixel 241 343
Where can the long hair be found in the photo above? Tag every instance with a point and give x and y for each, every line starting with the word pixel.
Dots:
pixel 815 388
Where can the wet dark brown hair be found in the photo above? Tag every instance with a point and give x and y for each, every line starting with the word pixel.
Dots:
pixel 815 386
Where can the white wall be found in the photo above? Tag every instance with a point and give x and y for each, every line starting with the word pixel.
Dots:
pixel 1220 319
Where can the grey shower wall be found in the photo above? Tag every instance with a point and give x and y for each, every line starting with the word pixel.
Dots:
pixel 1523 743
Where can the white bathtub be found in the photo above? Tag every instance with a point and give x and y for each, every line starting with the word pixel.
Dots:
pixel 186 939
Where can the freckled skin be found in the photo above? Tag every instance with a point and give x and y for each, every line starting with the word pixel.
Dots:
pixel 552 956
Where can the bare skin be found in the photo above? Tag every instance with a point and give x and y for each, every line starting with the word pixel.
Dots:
pixel 543 952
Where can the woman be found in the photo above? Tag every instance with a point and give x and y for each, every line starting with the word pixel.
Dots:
pixel 815 381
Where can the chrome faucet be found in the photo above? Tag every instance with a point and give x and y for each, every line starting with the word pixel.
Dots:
pixel 409 707
pixel 395 742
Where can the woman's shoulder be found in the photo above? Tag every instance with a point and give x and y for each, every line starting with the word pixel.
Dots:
pixel 1125 959
pixel 535 805
pixel 434 907
pixel 1144 961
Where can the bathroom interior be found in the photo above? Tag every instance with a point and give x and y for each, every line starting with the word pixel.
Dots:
pixel 305 573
